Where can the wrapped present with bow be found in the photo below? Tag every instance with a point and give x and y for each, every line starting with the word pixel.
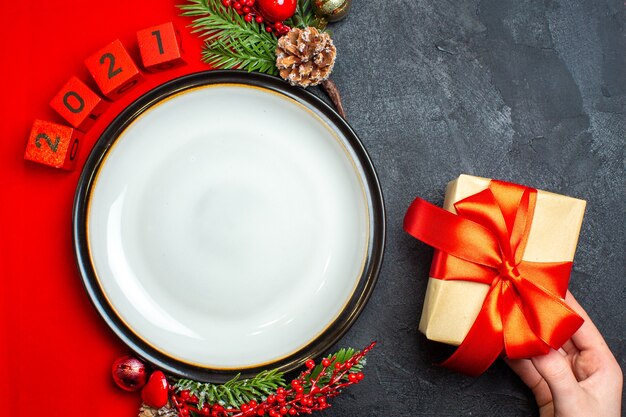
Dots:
pixel 503 256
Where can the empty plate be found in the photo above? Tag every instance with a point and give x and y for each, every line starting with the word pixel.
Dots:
pixel 227 222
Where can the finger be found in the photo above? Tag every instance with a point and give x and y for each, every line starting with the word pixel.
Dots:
pixel 557 372
pixel 570 348
pixel 588 337
pixel 529 375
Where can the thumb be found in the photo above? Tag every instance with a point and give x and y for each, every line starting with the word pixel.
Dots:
pixel 556 370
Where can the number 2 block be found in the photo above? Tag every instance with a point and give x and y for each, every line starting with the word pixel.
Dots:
pixel 53 145
pixel 160 47
pixel 114 70
pixel 78 104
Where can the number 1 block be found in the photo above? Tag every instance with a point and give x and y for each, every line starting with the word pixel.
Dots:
pixel 160 47
pixel 53 145
pixel 114 70
pixel 78 104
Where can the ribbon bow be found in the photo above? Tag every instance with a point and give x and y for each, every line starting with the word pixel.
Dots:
pixel 524 312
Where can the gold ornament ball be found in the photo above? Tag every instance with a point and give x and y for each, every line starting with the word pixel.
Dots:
pixel 332 10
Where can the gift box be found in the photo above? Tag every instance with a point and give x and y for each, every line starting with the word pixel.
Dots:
pixel 503 258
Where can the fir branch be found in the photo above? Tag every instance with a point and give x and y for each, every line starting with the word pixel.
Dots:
pixel 304 15
pixel 235 392
pixel 230 41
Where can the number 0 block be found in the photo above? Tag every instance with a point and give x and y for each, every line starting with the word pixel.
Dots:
pixel 78 104
pixel 160 47
pixel 52 144
pixel 114 70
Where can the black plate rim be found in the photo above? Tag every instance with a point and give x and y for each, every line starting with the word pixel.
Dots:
pixel 365 168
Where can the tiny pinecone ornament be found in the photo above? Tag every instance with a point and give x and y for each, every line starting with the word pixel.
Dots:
pixel 167 411
pixel 305 57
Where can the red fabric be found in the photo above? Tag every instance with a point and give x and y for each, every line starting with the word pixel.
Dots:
pixel 524 313
pixel 55 351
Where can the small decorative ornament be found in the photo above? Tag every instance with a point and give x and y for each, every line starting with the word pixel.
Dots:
pixel 240 34
pixel 129 373
pixel 277 10
pixel 305 57
pixel 332 10
pixel 267 394
pixel 154 394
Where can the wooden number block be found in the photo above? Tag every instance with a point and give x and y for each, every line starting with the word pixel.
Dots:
pixel 114 70
pixel 160 47
pixel 78 104
pixel 52 144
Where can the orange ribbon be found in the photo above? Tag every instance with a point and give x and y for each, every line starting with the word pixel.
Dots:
pixel 524 312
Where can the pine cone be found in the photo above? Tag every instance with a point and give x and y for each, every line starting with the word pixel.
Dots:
pixel 167 411
pixel 305 57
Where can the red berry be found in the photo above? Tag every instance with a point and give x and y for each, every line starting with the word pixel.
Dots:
pixel 184 412
pixel 246 9
pixel 129 373
pixel 299 389
pixel 248 17
pixel 277 10
pixel 245 407
pixel 206 409
pixel 353 378
pixel 310 364
pixel 260 412
pixel 283 410
pixel 239 12
pixel 271 399
pixel 321 400
pixel 293 411
pixel 184 395
pixel 273 413
pixel 326 363
pixel 226 3
pixel 259 19
pixel 252 403
pixel 237 5
pixel 338 366
pixel 279 26
pixel 280 398
pixel 359 376
pixel 280 390
pixel 295 383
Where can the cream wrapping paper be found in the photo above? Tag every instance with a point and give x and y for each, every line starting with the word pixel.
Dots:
pixel 450 307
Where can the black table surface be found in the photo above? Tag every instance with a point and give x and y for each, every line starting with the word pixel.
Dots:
pixel 532 92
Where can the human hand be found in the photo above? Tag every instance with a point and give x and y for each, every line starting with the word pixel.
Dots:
pixel 582 379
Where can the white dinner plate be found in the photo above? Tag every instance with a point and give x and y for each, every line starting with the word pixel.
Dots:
pixel 227 222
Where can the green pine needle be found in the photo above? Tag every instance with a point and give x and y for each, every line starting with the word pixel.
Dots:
pixel 304 15
pixel 230 41
pixel 235 392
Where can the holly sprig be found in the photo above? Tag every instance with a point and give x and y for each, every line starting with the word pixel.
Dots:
pixel 268 394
